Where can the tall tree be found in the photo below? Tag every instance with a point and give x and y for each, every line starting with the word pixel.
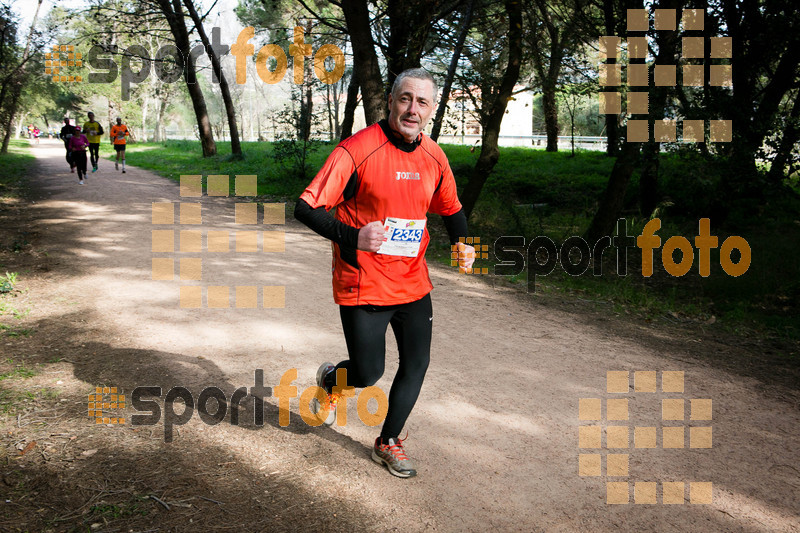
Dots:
pixel 612 23
pixel 173 12
pixel 765 37
pixel 368 72
pixel 19 80
pixel 465 23
pixel 236 147
pixel 552 37
pixel 611 201
pixel 489 138
pixel 788 142
pixel 666 42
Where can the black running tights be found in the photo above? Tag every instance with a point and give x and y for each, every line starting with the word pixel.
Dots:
pixel 79 158
pixel 365 333
pixel 94 153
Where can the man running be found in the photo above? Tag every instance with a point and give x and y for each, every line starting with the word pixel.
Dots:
pixel 118 133
pixel 93 130
pixel 66 132
pixel 383 181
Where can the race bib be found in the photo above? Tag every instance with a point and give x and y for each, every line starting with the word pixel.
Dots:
pixel 402 237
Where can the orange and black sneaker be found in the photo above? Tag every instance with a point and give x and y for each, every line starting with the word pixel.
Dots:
pixel 316 407
pixel 392 454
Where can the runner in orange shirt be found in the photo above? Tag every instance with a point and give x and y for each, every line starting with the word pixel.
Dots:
pixel 118 133
pixel 383 181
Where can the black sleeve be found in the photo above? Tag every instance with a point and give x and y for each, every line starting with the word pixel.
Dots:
pixel 456 226
pixel 101 129
pixel 320 221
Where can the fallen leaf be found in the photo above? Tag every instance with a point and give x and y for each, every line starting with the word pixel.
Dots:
pixel 88 453
pixel 28 448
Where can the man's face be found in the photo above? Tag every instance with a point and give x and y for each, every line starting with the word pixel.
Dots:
pixel 91 117
pixel 410 111
pixel 66 122
pixel 119 122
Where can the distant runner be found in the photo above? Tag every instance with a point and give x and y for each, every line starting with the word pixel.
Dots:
pixel 93 130
pixel 66 133
pixel 118 133
pixel 77 145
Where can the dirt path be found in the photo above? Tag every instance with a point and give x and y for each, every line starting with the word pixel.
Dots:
pixel 495 432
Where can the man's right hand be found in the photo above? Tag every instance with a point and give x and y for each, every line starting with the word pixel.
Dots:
pixel 370 237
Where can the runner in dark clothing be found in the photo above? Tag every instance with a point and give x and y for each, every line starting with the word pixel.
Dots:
pixel 66 133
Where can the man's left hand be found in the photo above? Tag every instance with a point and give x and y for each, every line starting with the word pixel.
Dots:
pixel 466 257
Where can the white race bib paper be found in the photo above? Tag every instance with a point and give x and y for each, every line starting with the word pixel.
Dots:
pixel 402 237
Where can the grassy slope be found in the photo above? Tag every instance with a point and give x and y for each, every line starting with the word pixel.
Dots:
pixel 14 167
pixel 532 193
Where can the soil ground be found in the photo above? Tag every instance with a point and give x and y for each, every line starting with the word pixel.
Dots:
pixel 495 432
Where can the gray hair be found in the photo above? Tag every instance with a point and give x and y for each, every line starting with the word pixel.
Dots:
pixel 417 73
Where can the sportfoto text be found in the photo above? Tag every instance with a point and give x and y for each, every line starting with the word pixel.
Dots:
pixel 285 391
pixel 509 251
pixel 170 64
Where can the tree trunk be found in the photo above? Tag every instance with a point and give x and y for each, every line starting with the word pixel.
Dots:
pixel 451 71
pixel 548 67
pixel 20 125
pixel 337 94
pixel 612 119
pixel 754 106
pixel 350 106
pixel 790 137
pixel 17 87
pixel 329 106
pixel 667 42
pixel 489 151
pixel 307 108
pixel 611 202
pixel 550 109
pixel 368 72
pixel 173 12
pixel 144 119
pixel 159 113
pixel 236 147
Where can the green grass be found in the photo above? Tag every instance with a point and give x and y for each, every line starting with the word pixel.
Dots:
pixel 14 168
pixel 533 192
pixel 172 159
pixel 18 372
pixel 8 282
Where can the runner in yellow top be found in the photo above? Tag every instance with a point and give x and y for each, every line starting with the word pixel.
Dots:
pixel 118 133
pixel 93 130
